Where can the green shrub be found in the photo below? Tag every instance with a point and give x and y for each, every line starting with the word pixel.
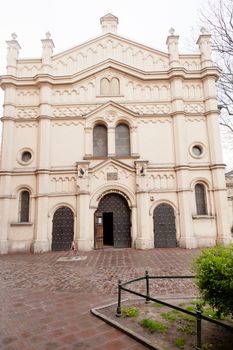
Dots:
pixel 214 270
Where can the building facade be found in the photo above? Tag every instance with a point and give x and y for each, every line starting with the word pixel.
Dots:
pixel 111 143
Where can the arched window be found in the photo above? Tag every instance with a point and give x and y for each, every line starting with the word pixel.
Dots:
pixel 104 87
pixel 110 87
pixel 24 206
pixel 122 138
pixel 100 141
pixel 115 87
pixel 200 196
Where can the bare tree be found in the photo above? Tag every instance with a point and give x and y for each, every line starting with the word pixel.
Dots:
pixel 218 18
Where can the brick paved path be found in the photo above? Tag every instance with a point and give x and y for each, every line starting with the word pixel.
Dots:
pixel 45 303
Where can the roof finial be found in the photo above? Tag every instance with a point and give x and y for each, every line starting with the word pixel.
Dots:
pixel 48 35
pixel 14 36
pixel 204 31
pixel 172 31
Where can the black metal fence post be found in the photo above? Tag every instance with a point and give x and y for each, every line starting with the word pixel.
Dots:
pixel 118 314
pixel 198 317
pixel 147 288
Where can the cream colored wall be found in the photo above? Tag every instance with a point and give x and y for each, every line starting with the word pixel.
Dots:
pixel 67 143
pixel 25 138
pixel 155 140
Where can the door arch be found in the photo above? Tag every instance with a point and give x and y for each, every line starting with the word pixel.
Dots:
pixel 164 226
pixel 63 229
pixel 112 222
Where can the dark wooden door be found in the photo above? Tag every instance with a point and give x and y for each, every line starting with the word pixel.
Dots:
pixel 63 229
pixel 164 227
pixel 116 214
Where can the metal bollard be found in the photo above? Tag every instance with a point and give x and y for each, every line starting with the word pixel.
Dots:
pixel 198 317
pixel 118 313
pixel 147 288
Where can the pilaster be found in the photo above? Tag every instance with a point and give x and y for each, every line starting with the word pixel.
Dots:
pixel 111 141
pixel 13 48
pixel 5 198
pixel 47 51
pixel 172 45
pixel 134 141
pixel 144 237
pixel 88 142
pixel 186 239
pixel 43 151
pixel 205 48
pixel 84 238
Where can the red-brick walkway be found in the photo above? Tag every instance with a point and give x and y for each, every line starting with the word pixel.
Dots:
pixel 45 304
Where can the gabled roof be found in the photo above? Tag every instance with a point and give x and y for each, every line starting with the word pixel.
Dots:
pixel 113 36
pixel 114 105
pixel 111 161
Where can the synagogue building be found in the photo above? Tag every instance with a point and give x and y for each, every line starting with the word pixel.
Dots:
pixel 111 144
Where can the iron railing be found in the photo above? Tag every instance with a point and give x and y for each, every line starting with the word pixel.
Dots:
pixel 198 314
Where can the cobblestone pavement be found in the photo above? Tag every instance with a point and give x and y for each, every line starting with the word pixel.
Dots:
pixel 45 303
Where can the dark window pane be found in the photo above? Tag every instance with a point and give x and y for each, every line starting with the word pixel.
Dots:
pixel 122 140
pixel 24 206
pixel 200 199
pixel 100 141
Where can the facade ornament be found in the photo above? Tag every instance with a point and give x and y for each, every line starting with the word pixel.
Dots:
pixel 171 31
pixel 47 52
pixel 109 23
pixel 172 46
pixel 48 35
pixel 14 36
pixel 205 48
pixel 13 48
pixel 203 31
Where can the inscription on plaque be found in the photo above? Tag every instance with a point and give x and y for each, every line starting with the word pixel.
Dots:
pixel 111 176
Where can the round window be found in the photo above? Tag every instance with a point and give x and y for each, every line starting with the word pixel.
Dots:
pixel 26 156
pixel 197 150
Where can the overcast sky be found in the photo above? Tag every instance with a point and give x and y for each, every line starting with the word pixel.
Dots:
pixel 72 22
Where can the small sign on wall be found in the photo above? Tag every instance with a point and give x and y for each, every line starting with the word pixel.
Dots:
pixel 111 176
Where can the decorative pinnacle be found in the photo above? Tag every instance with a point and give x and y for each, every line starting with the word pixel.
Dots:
pixel 204 31
pixel 14 36
pixel 172 31
pixel 48 35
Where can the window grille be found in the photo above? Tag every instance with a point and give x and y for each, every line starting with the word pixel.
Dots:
pixel 122 140
pixel 100 141
pixel 24 206
pixel 200 196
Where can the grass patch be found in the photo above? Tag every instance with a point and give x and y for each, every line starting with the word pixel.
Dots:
pixel 187 329
pixel 153 326
pixel 180 342
pixel 191 308
pixel 186 317
pixel 169 316
pixel 130 311
pixel 156 304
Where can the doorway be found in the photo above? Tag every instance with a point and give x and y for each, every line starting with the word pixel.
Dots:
pixel 164 226
pixel 63 229
pixel 108 228
pixel 112 222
